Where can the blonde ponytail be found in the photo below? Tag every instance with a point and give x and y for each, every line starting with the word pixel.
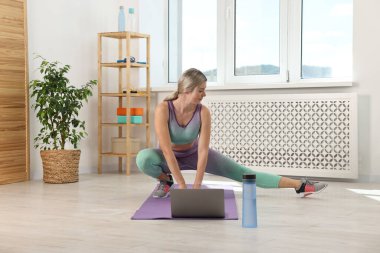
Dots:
pixel 172 96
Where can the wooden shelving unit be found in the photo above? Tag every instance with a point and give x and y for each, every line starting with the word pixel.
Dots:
pixel 124 98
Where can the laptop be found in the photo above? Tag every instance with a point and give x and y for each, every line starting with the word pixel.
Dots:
pixel 197 203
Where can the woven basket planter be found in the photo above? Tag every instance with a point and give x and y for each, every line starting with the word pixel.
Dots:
pixel 60 166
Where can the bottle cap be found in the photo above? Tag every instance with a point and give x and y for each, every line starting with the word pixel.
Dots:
pixel 131 10
pixel 121 7
pixel 249 176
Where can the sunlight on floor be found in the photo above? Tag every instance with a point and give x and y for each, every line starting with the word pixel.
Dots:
pixel 374 197
pixel 372 194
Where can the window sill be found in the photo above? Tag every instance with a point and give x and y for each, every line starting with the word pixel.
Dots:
pixel 216 87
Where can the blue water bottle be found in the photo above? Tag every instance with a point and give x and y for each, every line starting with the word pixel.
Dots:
pixel 249 213
pixel 121 21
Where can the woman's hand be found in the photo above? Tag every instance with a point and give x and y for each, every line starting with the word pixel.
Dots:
pixel 197 186
pixel 182 186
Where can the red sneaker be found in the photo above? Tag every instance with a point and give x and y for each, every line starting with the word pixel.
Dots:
pixel 309 187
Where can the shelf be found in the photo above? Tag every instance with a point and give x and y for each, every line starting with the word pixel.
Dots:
pixel 119 154
pixel 123 65
pixel 121 92
pixel 123 125
pixel 140 94
pixel 123 35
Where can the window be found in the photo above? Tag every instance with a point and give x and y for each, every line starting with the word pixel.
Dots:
pixel 257 40
pixel 326 39
pixel 192 37
pixel 262 41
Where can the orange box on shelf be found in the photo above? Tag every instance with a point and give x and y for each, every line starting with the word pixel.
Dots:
pixel 121 111
pixel 137 111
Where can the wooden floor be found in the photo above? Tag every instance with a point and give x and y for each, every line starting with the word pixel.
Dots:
pixel 94 214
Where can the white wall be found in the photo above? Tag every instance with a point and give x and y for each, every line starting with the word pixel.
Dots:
pixel 367 85
pixel 66 30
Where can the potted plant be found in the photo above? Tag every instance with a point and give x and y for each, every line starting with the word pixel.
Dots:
pixel 57 105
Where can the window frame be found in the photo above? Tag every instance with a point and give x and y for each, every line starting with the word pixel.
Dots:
pixel 290 53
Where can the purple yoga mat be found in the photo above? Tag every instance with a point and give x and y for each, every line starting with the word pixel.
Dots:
pixel 155 208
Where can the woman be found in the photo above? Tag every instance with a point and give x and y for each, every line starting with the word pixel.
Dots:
pixel 183 126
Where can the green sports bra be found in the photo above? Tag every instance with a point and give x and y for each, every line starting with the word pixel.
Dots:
pixel 180 134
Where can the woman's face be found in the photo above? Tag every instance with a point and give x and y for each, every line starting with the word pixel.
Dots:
pixel 198 93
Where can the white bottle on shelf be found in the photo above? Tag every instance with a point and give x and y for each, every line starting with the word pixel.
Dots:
pixel 131 20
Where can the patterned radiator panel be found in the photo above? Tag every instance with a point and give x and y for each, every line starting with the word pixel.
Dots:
pixel 301 135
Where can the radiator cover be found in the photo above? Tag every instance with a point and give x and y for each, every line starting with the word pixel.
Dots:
pixel 297 134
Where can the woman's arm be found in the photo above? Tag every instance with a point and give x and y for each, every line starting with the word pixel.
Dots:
pixel 161 117
pixel 203 146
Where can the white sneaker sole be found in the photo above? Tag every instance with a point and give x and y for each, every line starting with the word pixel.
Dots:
pixel 163 197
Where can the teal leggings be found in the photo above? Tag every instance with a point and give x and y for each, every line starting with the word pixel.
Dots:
pixel 152 162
